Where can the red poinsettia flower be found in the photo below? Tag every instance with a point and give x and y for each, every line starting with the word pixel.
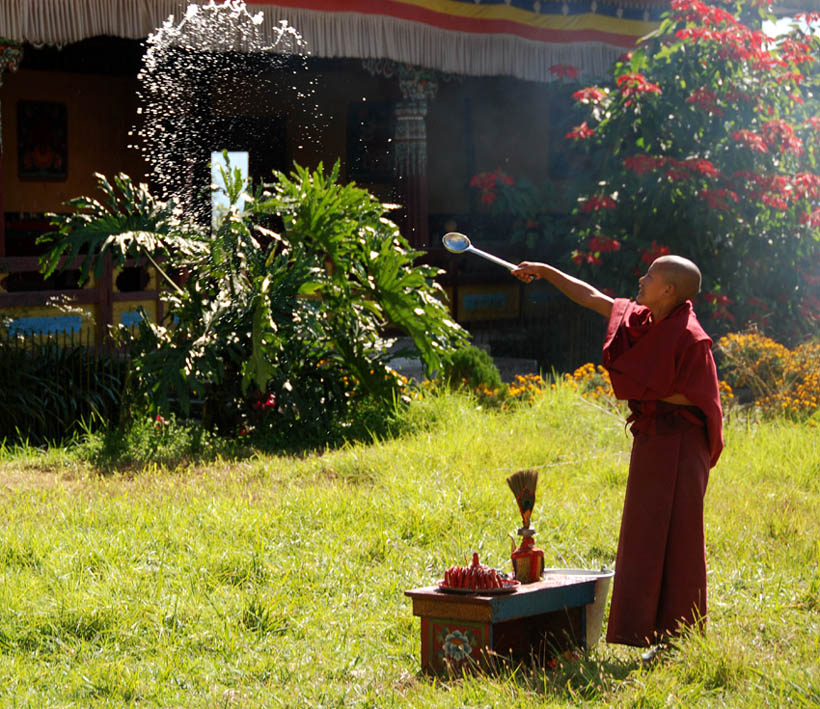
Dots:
pixel 487 197
pixel 720 302
pixel 641 164
pixel 564 70
pixel 596 202
pixel 718 198
pixel 807 18
pixel 751 140
pixel 774 201
pixel 732 40
pixel 603 244
pixel 811 218
pixel 486 183
pixel 580 132
pixel 779 133
pixel 634 84
pixel 701 13
pixel 590 94
pixel 653 252
pixel 705 99
pixel 735 95
pixel 806 185
pixel 795 76
pixel 795 51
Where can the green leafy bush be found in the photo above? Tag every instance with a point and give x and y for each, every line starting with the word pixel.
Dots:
pixel 278 329
pixel 472 367
pixel 157 441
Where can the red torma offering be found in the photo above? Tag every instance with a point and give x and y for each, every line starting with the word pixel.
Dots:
pixel 475 577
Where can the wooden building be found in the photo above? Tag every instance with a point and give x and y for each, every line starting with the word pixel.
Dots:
pixel 415 97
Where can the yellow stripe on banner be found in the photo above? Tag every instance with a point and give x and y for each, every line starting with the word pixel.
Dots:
pixel 587 21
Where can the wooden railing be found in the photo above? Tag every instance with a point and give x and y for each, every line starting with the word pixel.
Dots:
pixel 100 298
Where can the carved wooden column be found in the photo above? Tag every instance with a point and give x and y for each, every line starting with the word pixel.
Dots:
pixel 11 54
pixel 418 86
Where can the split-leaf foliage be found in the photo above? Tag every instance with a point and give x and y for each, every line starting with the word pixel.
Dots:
pixel 276 317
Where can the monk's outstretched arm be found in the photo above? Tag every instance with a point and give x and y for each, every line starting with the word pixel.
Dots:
pixel 575 289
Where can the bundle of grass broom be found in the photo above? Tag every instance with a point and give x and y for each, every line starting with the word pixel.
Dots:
pixel 523 484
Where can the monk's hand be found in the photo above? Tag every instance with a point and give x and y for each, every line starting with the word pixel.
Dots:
pixel 525 271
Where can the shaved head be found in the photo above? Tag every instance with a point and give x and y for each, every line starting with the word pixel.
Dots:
pixel 681 273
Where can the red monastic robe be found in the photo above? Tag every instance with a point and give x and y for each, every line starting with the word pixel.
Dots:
pixel 660 568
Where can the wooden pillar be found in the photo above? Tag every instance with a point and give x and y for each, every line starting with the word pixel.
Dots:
pixel 105 300
pixel 418 86
pixel 11 54
pixel 411 168
pixel 2 208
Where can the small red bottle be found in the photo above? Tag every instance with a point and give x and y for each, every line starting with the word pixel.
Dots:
pixel 527 560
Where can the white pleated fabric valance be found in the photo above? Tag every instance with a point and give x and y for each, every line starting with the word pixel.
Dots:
pixel 519 38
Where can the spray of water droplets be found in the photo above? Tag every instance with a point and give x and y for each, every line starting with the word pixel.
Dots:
pixel 217 62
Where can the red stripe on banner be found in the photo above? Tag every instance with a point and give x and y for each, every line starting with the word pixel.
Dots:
pixel 414 13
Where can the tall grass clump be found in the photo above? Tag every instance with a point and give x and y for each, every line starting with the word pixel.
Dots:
pixel 52 390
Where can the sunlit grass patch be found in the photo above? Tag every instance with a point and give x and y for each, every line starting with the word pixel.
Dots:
pixel 278 580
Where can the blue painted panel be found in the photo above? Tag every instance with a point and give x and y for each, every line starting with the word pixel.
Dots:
pixel 45 325
pixel 545 600
pixel 130 318
pixel 485 301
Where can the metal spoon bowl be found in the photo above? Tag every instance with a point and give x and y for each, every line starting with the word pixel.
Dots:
pixel 457 243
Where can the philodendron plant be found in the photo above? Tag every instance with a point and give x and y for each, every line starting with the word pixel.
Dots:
pixel 276 316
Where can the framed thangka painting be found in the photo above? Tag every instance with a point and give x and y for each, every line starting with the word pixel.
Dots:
pixel 42 140
pixel 369 142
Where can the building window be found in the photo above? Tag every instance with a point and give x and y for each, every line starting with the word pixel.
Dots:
pixel 219 199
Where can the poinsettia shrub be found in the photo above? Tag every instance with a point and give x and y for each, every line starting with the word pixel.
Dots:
pixel 711 135
pixel 276 319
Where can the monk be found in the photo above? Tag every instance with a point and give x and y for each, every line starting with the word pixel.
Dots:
pixel 659 359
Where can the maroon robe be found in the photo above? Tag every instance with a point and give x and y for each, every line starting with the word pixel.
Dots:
pixel 660 568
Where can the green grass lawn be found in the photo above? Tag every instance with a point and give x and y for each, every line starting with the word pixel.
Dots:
pixel 280 581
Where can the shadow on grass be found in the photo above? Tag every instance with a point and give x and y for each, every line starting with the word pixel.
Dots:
pixel 571 676
pixel 181 445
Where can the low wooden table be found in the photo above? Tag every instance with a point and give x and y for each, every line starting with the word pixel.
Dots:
pixel 536 622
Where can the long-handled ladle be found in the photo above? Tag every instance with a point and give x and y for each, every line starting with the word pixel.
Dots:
pixel 457 243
